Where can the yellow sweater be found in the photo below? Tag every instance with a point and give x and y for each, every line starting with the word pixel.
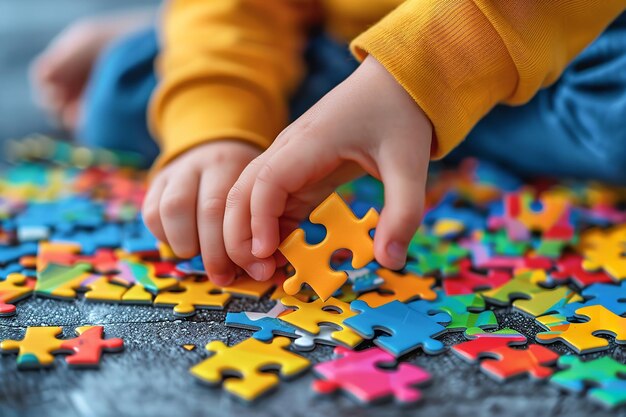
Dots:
pixel 228 66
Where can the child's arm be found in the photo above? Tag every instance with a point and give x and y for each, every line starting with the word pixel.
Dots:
pixel 226 71
pixel 456 59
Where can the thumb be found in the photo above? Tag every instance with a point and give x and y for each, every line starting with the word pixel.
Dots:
pixel 404 176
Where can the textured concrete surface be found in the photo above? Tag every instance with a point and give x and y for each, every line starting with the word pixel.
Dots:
pixel 150 377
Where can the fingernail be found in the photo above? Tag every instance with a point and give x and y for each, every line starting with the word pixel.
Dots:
pixel 256 246
pixel 257 270
pixel 397 252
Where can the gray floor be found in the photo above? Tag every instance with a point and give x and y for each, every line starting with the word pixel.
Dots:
pixel 150 377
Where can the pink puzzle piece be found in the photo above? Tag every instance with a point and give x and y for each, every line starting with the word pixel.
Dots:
pixel 357 374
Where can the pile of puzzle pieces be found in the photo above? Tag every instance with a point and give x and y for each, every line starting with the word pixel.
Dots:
pixel 489 242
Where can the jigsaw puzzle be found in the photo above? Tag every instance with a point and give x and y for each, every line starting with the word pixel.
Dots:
pixel 553 252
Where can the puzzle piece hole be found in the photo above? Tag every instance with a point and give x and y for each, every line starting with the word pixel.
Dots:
pixel 332 309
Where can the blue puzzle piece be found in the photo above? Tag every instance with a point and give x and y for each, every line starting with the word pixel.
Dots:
pixel 193 266
pixel 266 327
pixel 407 329
pixel 10 254
pixel 10 269
pixel 63 215
pixel 107 236
pixel 611 296
pixel 137 238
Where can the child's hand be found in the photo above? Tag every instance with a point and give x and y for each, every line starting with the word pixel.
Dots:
pixel 370 124
pixel 186 200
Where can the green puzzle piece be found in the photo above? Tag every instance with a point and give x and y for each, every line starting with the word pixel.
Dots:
pixel 610 389
pixel 466 311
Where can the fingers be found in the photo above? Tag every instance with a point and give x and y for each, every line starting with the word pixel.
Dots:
pixel 210 211
pixel 404 176
pixel 177 209
pixel 286 171
pixel 237 232
pixel 150 209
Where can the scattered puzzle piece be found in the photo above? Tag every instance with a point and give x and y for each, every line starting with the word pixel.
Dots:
pixel 14 288
pixel 399 287
pixel 582 337
pixel 359 375
pixel 87 348
pixel 193 294
pixel 343 231
pixel 36 348
pixel 501 361
pixel 604 250
pixel 406 329
pixel 249 361
pixel 466 311
pixel 602 374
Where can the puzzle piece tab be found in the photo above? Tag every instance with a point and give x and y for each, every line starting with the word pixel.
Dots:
pixel 343 231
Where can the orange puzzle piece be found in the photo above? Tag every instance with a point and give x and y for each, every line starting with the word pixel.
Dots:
pixel 343 231
pixel 400 287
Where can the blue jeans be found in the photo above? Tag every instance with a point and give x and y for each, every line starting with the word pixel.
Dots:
pixel 574 128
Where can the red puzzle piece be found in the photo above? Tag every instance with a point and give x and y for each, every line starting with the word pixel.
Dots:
pixel 570 267
pixel 503 362
pixel 468 281
pixel 88 346
pixel 357 374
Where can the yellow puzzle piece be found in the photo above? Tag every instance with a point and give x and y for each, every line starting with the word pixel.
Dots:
pixel 37 347
pixel 193 294
pixel 343 231
pixel 399 287
pixel 103 289
pixel 582 337
pixel 604 249
pixel 247 361
pixel 309 316
pixel 12 289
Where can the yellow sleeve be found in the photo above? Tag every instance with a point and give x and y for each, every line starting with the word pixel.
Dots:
pixel 225 72
pixel 459 58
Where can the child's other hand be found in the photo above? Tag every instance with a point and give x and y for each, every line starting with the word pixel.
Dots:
pixel 370 124
pixel 186 201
